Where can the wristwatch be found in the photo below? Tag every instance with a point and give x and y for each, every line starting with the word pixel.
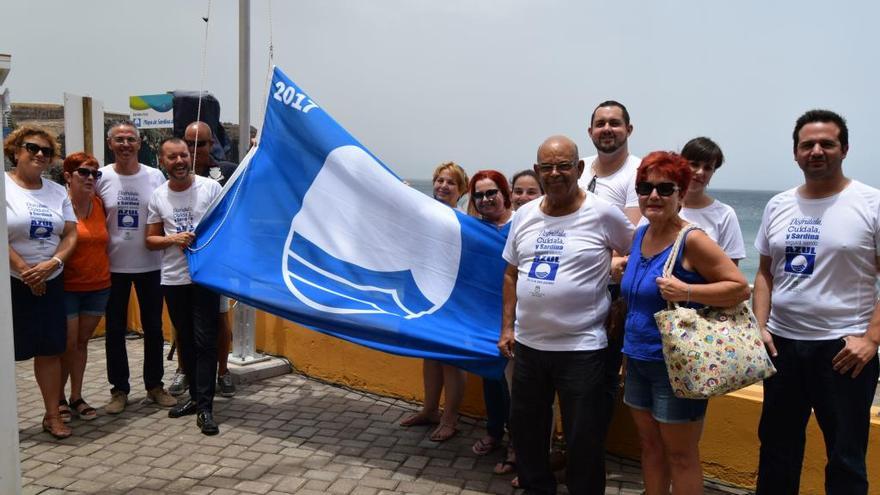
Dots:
pixel 60 263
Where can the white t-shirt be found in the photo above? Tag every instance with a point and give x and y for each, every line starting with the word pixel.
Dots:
pixel 720 223
pixel 823 265
pixel 563 271
pixel 35 220
pixel 125 202
pixel 618 188
pixel 180 212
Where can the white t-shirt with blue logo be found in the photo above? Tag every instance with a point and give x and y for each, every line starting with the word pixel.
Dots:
pixel 563 271
pixel 125 200
pixel 180 211
pixel 35 220
pixel 824 267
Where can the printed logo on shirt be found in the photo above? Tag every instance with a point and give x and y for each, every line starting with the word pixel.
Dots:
pixel 183 219
pixel 800 259
pixel 544 267
pixel 801 238
pixel 548 247
pixel 41 223
pixel 128 210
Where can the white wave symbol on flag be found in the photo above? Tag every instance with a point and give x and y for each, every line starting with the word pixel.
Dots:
pixel 364 243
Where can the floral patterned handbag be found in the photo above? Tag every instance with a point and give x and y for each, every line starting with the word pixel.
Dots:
pixel 710 351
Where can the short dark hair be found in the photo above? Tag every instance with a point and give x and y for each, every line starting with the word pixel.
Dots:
pixel 611 103
pixel 175 140
pixel 818 115
pixel 527 172
pixel 703 149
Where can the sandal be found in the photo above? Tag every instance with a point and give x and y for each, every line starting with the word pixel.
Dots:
pixel 64 411
pixel 443 432
pixel 83 410
pixel 55 426
pixel 420 419
pixel 485 445
pixel 515 482
pixel 507 465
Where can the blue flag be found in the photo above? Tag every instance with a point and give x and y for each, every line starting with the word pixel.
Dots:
pixel 317 230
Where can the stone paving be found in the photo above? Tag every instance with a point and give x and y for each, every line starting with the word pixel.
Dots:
pixel 283 435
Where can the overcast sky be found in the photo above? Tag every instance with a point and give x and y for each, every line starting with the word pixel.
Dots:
pixel 484 82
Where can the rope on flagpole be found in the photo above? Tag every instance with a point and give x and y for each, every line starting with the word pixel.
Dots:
pixel 271 60
pixel 204 75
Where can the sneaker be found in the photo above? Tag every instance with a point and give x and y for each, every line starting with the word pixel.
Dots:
pixel 226 384
pixel 118 400
pixel 161 397
pixel 179 384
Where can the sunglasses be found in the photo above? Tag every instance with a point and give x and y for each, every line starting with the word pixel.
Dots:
pixel 663 188
pixel 33 149
pixel 192 144
pixel 547 168
pixel 488 194
pixel 86 172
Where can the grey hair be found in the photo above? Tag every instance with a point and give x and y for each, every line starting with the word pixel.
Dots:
pixel 123 123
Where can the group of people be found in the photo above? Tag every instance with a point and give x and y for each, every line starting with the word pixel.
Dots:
pixel 75 253
pixel 587 240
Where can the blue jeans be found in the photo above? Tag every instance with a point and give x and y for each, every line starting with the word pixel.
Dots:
pixel 149 298
pixel 805 381
pixel 496 395
pixel 579 379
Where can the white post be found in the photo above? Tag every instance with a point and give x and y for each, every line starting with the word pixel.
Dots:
pixel 10 469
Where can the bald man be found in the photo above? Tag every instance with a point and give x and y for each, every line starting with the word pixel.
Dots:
pixel 555 300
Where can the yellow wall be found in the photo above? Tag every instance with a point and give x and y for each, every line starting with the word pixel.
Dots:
pixel 729 447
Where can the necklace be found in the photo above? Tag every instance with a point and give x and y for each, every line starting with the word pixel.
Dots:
pixel 77 212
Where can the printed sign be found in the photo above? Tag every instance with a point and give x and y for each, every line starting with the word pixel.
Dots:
pixel 152 111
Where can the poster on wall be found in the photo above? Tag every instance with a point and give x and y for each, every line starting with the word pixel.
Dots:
pixel 152 111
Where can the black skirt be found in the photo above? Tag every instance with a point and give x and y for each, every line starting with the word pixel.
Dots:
pixel 39 326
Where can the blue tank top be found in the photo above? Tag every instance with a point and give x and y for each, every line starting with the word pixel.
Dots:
pixel 639 288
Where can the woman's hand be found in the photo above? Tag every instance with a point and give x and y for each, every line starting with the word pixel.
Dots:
pixel 672 289
pixel 39 272
pixel 39 289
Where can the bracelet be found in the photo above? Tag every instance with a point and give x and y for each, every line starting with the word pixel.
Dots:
pixel 60 263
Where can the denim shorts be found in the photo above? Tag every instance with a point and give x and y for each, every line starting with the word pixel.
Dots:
pixel 92 302
pixel 647 388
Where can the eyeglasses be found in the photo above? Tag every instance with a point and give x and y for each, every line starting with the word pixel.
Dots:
pixel 124 140
pixel 592 185
pixel 663 188
pixel 548 168
pixel 33 149
pixel 196 144
pixel 85 172
pixel 488 194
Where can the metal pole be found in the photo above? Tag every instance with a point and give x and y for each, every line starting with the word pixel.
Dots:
pixel 244 74
pixel 243 348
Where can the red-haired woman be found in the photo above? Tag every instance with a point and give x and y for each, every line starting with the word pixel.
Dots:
pixel 86 276
pixel 490 202
pixel 42 234
pixel 669 428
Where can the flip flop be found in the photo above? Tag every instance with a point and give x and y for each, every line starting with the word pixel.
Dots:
pixel 505 467
pixel 485 445
pixel 86 413
pixel 419 419
pixel 443 432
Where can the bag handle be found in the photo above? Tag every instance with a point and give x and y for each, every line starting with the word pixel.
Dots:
pixel 673 255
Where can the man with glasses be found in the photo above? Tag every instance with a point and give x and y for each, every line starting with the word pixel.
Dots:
pixel 555 299
pixel 125 188
pixel 816 302
pixel 199 141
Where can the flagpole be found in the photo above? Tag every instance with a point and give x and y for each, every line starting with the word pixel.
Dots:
pixel 244 85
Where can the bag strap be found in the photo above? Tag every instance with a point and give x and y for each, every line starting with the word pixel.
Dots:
pixel 673 255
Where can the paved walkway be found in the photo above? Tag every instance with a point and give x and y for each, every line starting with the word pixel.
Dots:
pixel 289 434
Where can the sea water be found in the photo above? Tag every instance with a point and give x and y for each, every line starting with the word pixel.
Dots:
pixel 749 206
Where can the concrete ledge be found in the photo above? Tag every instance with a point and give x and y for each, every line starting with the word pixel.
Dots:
pixel 253 372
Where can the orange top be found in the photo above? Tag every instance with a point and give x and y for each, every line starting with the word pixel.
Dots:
pixel 88 268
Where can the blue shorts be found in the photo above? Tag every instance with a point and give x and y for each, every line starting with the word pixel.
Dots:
pixel 647 388
pixel 93 302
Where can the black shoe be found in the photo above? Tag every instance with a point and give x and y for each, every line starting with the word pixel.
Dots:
pixel 205 421
pixel 182 409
